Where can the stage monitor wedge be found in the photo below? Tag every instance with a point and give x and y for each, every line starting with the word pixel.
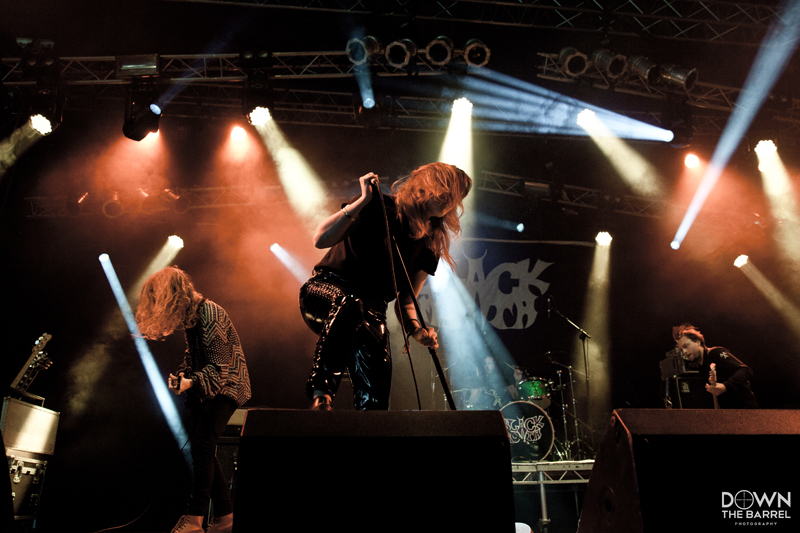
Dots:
pixel 374 471
pixel 668 470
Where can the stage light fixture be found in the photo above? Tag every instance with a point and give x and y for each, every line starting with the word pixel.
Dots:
pixel 691 161
pixel 611 64
pixel 112 208
pixel 462 105
pixel 74 206
pixel 765 148
pixel 238 133
pixel 47 107
pixel 646 69
pixel 476 54
pixel 370 117
pixel 151 202
pixel 740 261
pixel 142 112
pixel 39 59
pixel 258 101
pixel 363 50
pixel 41 124
pixel 439 51
pixel 585 117
pixel 180 202
pixel 138 66
pixel 259 116
pixel 400 53
pixel 520 227
pixel 175 241
pixel 603 238
pixel 573 63
pixel 678 76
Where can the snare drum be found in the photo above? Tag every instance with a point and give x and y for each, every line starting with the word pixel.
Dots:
pixel 530 431
pixel 535 390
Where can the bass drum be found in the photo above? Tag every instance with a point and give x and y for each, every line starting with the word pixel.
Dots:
pixel 530 431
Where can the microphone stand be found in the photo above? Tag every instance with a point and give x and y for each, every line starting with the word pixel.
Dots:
pixel 584 345
pixel 450 402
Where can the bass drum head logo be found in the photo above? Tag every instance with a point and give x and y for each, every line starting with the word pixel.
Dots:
pixel 530 431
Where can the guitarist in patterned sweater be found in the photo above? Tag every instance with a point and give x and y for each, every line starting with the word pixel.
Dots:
pixel 213 375
pixel 729 378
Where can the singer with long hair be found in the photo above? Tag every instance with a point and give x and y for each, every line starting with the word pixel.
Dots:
pixel 214 377
pixel 345 300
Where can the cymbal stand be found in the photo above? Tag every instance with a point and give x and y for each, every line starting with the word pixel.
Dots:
pixel 584 343
pixel 574 413
pixel 564 413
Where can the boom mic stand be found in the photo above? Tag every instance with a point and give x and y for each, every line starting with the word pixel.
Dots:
pixel 584 345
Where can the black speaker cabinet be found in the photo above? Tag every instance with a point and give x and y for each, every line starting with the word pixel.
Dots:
pixel 689 392
pixel 668 470
pixel 374 471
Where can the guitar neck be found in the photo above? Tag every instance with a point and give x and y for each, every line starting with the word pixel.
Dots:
pixel 35 362
pixel 712 380
pixel 25 376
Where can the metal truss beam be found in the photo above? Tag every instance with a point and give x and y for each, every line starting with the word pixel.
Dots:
pixel 198 198
pixel 211 86
pixel 572 196
pixel 199 68
pixel 639 206
pixel 552 473
pixel 717 21
pixel 711 103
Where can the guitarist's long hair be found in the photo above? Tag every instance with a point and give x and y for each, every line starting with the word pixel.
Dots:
pixel 168 301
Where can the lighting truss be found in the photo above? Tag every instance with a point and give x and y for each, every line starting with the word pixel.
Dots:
pixel 705 98
pixel 199 198
pixel 218 68
pixel 717 21
pixel 212 87
pixel 583 197
pixel 571 195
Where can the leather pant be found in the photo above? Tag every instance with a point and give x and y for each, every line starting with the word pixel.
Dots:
pixel 352 335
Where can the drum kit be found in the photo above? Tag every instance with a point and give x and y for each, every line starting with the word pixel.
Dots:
pixel 531 409
pixel 530 427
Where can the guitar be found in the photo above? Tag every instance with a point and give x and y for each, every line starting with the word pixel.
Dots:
pixel 37 361
pixel 712 380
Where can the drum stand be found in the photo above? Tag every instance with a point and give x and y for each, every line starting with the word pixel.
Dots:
pixel 574 413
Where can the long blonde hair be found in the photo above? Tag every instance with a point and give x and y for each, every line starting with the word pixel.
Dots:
pixel 167 301
pixel 443 183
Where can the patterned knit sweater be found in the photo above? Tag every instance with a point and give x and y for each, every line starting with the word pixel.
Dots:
pixel 214 359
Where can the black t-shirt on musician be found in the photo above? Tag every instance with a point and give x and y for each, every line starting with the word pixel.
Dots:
pixel 732 373
pixel 362 257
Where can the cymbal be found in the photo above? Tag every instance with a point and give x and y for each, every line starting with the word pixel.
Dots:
pixel 553 354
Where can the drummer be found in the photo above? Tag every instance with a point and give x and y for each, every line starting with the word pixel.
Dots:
pixel 491 388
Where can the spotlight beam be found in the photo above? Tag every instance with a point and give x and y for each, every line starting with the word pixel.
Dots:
pixel 789 312
pixel 300 182
pixel 153 373
pixel 298 270
pixel 776 50
pixel 13 146
pixel 503 103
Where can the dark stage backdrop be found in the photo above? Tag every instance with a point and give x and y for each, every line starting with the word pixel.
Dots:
pixel 115 457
